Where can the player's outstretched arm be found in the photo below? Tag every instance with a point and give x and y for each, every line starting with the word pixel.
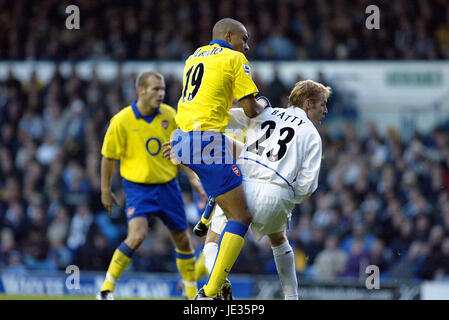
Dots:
pixel 108 198
pixel 253 107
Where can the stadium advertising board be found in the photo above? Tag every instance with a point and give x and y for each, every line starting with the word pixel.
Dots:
pixel 151 286
pixel 266 288
pixel 162 286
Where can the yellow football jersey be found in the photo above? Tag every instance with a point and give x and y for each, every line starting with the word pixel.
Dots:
pixel 137 142
pixel 214 75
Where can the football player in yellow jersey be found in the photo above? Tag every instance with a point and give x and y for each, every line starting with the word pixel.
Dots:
pixel 213 76
pixel 135 137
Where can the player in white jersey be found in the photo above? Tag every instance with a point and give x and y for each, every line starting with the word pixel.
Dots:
pixel 280 164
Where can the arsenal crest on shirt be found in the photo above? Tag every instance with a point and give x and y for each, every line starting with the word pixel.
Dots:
pixel 164 124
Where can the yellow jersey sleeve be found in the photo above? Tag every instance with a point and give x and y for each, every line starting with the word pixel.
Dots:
pixel 113 145
pixel 243 84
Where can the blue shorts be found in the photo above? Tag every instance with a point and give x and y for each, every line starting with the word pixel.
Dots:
pixel 209 155
pixel 162 200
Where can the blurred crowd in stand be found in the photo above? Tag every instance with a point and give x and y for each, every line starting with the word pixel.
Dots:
pixel 381 200
pixel 172 29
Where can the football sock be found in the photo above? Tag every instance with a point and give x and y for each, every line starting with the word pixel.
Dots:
pixel 229 246
pixel 285 265
pixel 185 261
pixel 200 267
pixel 208 211
pixel 210 251
pixel 120 260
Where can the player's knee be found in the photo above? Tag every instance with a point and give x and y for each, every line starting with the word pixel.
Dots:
pixel 182 240
pixel 136 238
pixel 278 239
pixel 241 214
pixel 212 236
pixel 246 218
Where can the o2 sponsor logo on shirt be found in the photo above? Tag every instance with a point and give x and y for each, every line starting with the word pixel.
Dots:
pixel 153 146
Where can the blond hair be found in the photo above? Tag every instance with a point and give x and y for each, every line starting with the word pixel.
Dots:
pixel 307 89
pixel 141 80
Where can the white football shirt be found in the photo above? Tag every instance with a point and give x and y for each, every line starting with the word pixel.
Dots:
pixel 282 147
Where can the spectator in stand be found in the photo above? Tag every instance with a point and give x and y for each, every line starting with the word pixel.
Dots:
pixel 380 256
pixel 357 260
pixel 96 255
pixel 7 245
pixel 411 265
pixel 331 261
pixel 283 29
pixel 316 245
pixel 359 233
pixel 79 227
pixel 443 261
pixel 403 240
pixel 432 264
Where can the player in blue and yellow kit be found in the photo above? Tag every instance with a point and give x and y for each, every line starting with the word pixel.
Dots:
pixel 135 137
pixel 213 76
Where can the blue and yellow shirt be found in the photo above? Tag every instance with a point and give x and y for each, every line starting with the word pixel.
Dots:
pixel 213 76
pixel 137 141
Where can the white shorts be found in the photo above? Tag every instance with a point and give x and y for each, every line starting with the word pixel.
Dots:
pixel 270 206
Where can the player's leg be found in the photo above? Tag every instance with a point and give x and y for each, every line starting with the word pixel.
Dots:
pixel 201 227
pixel 200 267
pixel 233 204
pixel 137 232
pixel 185 260
pixel 216 227
pixel 221 179
pixel 210 249
pixel 285 264
pixel 173 215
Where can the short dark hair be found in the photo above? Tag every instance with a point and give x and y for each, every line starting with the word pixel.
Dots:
pixel 223 26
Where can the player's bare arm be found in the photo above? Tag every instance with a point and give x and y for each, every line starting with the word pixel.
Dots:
pixel 108 198
pixel 253 107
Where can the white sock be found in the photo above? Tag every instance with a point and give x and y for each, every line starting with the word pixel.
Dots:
pixel 210 251
pixel 285 265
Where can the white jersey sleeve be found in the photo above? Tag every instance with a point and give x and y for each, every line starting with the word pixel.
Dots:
pixel 307 179
pixel 238 120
